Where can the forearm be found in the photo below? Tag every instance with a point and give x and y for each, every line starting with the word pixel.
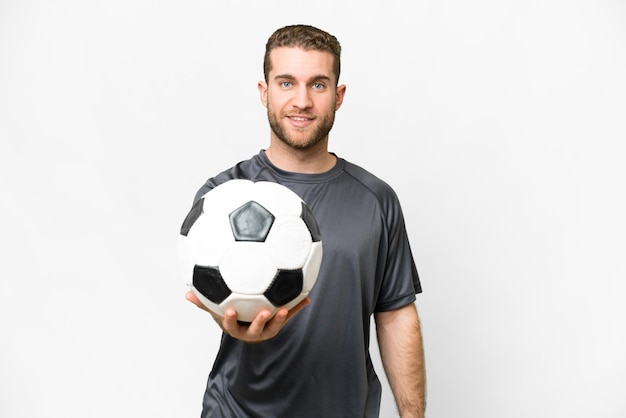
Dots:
pixel 400 343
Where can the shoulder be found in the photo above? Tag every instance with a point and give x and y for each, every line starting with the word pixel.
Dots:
pixel 246 169
pixel 380 189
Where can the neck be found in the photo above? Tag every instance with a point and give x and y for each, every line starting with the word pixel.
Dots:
pixel 314 160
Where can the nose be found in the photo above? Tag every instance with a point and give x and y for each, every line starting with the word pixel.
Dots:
pixel 302 98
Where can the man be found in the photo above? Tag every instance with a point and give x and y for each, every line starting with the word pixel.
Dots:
pixel 314 361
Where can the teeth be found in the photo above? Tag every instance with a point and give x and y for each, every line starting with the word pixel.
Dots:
pixel 299 119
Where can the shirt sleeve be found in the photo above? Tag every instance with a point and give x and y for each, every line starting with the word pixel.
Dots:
pixel 400 281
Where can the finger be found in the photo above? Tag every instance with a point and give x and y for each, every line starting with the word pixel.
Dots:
pixel 191 297
pixel 276 323
pixel 257 326
pixel 229 322
pixel 304 302
pixel 282 316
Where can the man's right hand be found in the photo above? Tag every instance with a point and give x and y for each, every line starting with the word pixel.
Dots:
pixel 262 328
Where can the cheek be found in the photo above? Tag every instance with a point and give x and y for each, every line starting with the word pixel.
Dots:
pixel 275 101
pixel 332 105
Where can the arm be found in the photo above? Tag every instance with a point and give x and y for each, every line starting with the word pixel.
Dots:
pixel 402 354
pixel 260 329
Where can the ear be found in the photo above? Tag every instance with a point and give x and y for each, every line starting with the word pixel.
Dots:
pixel 262 86
pixel 339 95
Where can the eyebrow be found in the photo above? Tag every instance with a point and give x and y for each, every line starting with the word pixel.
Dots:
pixel 291 77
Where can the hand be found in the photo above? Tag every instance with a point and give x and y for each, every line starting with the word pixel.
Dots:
pixel 260 329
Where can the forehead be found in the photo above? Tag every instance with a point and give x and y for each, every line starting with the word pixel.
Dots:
pixel 300 63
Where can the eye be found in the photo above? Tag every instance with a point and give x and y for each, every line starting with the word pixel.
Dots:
pixel 285 84
pixel 318 86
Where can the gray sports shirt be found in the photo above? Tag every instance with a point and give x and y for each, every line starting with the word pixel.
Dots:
pixel 319 364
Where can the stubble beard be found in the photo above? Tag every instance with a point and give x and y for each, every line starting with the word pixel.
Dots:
pixel 317 135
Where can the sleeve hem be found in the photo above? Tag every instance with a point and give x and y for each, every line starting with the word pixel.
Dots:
pixel 395 304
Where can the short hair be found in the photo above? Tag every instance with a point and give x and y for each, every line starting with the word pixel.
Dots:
pixel 305 37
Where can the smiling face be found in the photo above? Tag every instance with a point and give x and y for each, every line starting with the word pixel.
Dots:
pixel 301 97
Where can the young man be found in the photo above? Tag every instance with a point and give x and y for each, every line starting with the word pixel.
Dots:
pixel 315 362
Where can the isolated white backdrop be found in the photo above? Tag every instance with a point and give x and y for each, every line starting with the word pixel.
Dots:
pixel 501 125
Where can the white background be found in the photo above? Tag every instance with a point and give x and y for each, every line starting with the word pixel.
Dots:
pixel 501 125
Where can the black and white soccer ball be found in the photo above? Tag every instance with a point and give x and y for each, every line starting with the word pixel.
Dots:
pixel 250 246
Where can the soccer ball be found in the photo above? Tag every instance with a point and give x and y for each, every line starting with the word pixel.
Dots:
pixel 250 246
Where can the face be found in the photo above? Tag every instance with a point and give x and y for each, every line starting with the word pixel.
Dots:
pixel 301 97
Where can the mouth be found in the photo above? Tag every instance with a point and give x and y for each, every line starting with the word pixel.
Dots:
pixel 300 121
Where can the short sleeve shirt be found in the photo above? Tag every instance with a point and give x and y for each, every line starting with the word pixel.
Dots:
pixel 319 363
